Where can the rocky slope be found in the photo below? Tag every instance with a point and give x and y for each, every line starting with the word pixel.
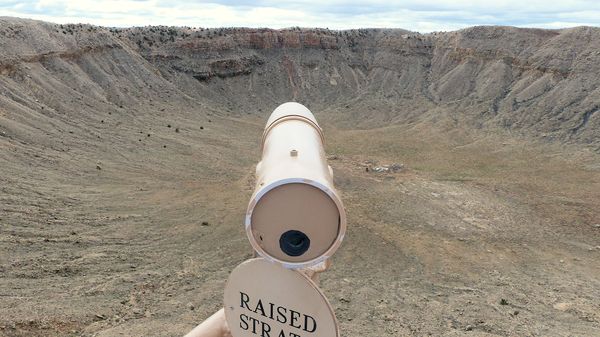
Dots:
pixel 541 83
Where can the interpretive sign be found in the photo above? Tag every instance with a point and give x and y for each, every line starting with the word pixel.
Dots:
pixel 266 300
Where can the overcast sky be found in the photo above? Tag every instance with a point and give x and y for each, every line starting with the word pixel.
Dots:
pixel 423 16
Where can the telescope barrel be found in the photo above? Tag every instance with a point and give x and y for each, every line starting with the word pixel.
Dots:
pixel 295 216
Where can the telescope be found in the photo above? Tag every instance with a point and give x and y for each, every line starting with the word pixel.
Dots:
pixel 295 221
pixel 295 216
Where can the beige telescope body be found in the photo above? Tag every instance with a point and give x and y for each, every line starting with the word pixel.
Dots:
pixel 295 216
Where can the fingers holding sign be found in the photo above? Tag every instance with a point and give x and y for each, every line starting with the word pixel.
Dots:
pixel 214 326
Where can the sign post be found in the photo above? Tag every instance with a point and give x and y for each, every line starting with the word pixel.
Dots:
pixel 264 299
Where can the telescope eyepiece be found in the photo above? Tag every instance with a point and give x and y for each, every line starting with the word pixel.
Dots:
pixel 294 243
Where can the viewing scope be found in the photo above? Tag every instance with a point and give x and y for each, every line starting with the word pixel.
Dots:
pixel 295 216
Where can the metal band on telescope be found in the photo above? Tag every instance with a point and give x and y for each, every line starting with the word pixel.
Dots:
pixel 291 117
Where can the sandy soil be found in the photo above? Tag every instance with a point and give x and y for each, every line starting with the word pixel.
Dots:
pixel 471 238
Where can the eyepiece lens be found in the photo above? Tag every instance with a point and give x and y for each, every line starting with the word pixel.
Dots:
pixel 294 243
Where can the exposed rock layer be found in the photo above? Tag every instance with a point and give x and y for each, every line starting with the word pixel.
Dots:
pixel 542 83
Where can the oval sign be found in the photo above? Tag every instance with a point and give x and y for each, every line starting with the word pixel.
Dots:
pixel 266 300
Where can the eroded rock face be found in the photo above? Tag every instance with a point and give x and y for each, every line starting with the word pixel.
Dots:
pixel 539 82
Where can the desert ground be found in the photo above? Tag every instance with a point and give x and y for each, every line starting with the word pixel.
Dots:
pixel 127 159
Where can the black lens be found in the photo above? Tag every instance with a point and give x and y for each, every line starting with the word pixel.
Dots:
pixel 294 243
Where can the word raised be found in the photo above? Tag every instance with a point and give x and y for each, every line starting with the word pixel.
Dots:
pixel 274 315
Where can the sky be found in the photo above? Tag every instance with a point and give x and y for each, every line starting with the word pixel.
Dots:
pixel 422 16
